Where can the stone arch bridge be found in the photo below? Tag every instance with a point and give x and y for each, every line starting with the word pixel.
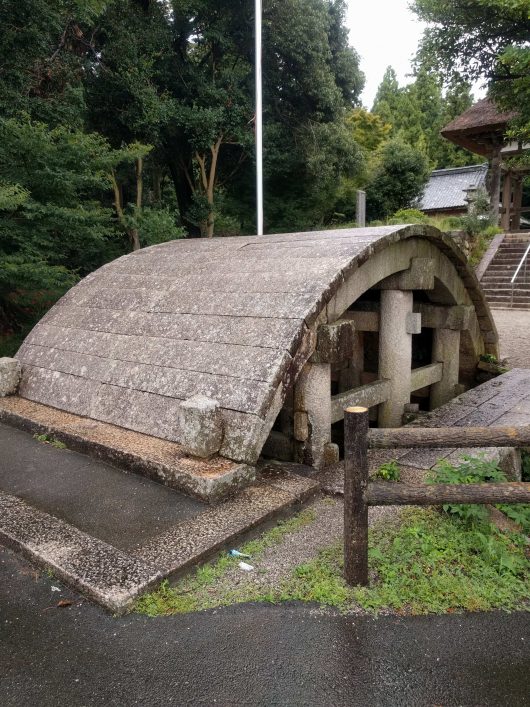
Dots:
pixel 236 347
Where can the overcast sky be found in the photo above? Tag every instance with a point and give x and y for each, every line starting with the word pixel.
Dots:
pixel 384 32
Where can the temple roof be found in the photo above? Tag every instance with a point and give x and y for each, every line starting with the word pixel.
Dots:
pixel 446 188
pixel 478 127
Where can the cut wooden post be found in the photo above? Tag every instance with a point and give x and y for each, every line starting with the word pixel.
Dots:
pixel 355 485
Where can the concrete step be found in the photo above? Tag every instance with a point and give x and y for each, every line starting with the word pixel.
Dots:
pixel 506 259
pixel 515 305
pixel 522 304
pixel 112 535
pixel 506 282
pixel 158 459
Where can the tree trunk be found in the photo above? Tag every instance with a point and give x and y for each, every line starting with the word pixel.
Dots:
pixel 134 238
pixel 183 190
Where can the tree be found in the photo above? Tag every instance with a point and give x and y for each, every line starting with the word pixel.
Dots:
pixel 52 227
pixel 44 50
pixel 417 113
pixel 398 181
pixel 482 39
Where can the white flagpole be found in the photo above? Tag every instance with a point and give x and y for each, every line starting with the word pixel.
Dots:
pixel 259 121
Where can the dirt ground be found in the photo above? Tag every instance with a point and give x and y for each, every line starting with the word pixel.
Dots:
pixel 513 326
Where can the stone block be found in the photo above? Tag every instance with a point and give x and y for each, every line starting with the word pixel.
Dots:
pixel 201 426
pixel 413 323
pixel 335 342
pixel 10 373
pixel 420 276
pixel 331 454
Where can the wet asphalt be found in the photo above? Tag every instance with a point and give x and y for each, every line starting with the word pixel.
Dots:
pixel 249 655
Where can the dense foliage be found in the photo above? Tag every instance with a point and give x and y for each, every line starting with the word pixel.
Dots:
pixel 482 39
pixel 124 123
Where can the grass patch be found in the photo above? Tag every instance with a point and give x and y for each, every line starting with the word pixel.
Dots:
pixel 427 562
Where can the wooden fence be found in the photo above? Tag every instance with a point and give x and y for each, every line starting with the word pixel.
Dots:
pixel 359 493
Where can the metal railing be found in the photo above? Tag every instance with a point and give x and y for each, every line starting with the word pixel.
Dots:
pixel 523 261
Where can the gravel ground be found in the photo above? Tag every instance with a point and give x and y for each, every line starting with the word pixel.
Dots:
pixel 513 326
pixel 277 563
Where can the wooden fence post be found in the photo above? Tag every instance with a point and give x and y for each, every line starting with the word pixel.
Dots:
pixel 355 485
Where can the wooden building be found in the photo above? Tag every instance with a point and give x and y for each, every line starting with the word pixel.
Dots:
pixel 482 130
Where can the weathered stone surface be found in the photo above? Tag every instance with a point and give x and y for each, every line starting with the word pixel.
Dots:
pixel 413 323
pixel 335 342
pixel 190 542
pixel 100 571
pixel 156 458
pixel 395 354
pixel 201 426
pixel 425 375
pixel 234 319
pixel 10 373
pixel 365 396
pixel 420 276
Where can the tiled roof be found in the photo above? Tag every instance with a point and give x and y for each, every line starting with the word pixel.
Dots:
pixel 446 187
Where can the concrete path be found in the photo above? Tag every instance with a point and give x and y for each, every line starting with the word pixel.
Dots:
pixel 514 331
pixel 113 535
pixel 255 655
pixel 125 510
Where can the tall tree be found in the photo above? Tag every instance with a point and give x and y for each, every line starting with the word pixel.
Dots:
pixel 485 39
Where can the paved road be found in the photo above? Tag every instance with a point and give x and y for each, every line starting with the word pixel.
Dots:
pixel 256 655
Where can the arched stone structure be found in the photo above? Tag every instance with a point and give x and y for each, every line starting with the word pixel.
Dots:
pixel 250 331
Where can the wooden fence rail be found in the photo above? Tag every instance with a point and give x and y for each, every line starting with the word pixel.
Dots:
pixel 359 493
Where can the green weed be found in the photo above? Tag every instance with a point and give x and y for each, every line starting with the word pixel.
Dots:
pixel 425 563
pixel 389 471
pixel 48 439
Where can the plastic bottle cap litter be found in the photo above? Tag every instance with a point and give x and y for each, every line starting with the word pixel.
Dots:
pixel 236 553
pixel 245 567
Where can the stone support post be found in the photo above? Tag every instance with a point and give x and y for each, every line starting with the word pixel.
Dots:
pixel 312 409
pixel 395 354
pixel 350 377
pixel 445 350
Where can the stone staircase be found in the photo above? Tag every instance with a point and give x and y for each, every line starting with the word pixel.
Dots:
pixel 496 281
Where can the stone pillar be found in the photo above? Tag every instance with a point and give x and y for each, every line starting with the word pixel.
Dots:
pixel 350 377
pixel 445 350
pixel 312 412
pixel 395 354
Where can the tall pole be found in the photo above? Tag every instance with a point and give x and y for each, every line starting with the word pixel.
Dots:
pixel 259 121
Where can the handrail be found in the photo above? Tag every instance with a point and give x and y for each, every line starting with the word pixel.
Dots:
pixel 520 264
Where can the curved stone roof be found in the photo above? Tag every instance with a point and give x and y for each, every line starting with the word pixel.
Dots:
pixel 227 318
